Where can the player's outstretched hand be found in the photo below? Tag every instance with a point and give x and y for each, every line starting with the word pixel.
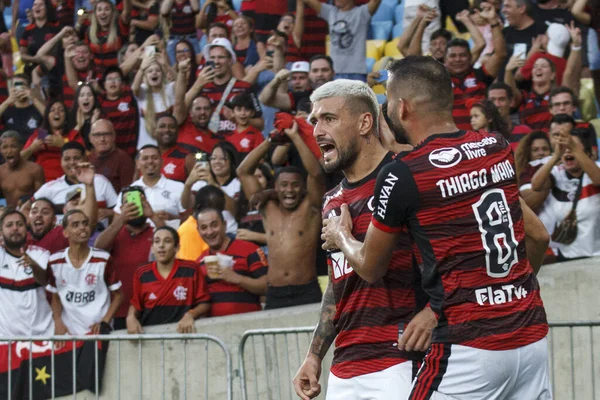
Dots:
pixel 417 335
pixel 306 381
pixel 335 227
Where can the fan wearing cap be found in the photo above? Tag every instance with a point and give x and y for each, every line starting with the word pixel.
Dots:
pixel 276 94
pixel 551 45
pixel 223 87
pixel 245 138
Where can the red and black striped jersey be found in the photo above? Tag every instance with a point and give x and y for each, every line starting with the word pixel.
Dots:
pixel 3 88
pixel 194 139
pixel 34 37
pixel 123 113
pixel 518 133
pixel 143 14
pixel 470 87
pixel 534 110
pixel 457 195
pixel 215 93
pixel 65 11
pixel 315 31
pixel 165 300
pixel 292 52
pixel 368 316
pixel 246 140
pixel 183 19
pixel 107 54
pixel 174 163
pixel 227 298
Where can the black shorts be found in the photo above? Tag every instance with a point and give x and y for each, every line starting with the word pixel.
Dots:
pixel 293 295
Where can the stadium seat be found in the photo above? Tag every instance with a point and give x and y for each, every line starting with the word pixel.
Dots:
pixel 370 63
pixel 381 98
pixel 391 48
pixel 381 30
pixel 397 30
pixel 375 48
pixel 452 29
pixel 385 12
pixel 399 13
pixel 237 5
pixel 587 103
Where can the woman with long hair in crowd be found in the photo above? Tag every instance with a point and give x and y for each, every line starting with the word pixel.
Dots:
pixel 84 112
pixel 485 116
pixel 154 93
pixel 224 13
pixel 45 144
pixel 220 172
pixel 185 51
pixel 244 41
pixel 108 32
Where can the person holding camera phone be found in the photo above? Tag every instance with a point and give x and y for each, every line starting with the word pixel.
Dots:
pixel 21 111
pixel 129 230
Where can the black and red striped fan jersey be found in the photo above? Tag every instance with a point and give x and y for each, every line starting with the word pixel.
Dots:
pixel 369 316
pixel 164 301
pixel 457 194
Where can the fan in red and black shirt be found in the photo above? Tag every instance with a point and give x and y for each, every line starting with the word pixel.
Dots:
pixel 469 83
pixel 237 288
pixel 145 20
pixel 221 52
pixel 469 231
pixel 167 290
pixel 194 134
pixel 119 106
pixel 43 28
pixel 178 162
pixel 245 138
pixel 105 51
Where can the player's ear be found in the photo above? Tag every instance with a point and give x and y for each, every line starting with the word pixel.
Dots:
pixel 365 123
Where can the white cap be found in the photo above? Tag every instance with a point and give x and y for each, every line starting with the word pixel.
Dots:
pixel 558 39
pixel 219 42
pixel 300 66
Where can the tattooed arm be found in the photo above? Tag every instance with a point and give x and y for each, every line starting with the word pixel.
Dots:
pixel 306 381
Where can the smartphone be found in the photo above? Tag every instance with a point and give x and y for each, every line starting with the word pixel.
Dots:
pixel 383 76
pixel 202 159
pixel 270 53
pixel 149 51
pixel 135 197
pixel 520 50
pixel 81 11
pixel 209 64
pixel 18 85
pixel 42 134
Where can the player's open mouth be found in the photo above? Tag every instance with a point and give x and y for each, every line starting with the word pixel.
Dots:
pixel 328 150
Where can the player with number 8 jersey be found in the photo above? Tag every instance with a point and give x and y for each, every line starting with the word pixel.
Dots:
pixel 476 243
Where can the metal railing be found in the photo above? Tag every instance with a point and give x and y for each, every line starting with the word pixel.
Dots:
pixel 574 359
pixel 286 347
pixel 139 377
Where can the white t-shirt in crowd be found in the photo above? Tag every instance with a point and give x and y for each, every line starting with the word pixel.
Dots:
pixel 84 292
pixel 232 189
pixel 162 103
pixel 560 202
pixel 164 196
pixel 24 310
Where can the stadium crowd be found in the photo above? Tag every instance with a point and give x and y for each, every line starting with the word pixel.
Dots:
pixel 158 164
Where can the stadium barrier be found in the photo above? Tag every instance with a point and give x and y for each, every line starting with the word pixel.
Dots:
pixel 574 360
pixel 41 367
pixel 275 356
pixel 574 357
